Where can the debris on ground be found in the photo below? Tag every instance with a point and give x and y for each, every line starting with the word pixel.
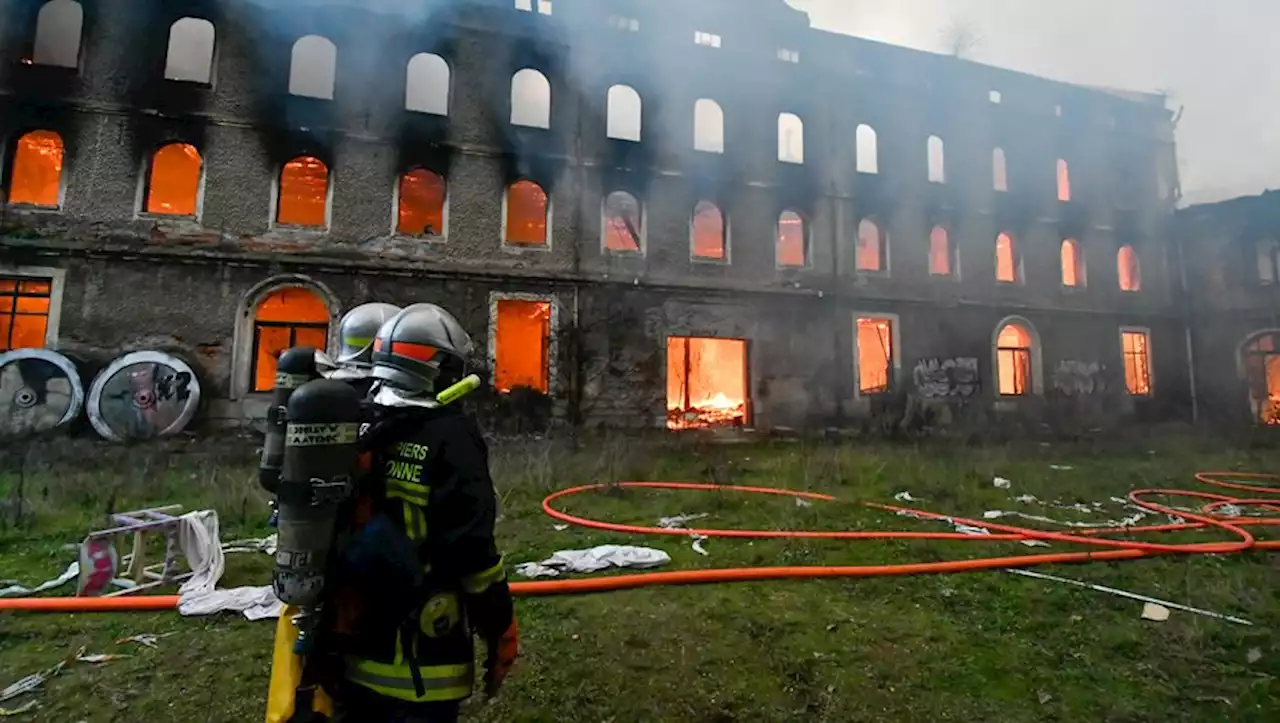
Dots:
pixel 34 682
pixel 1254 655
pixel 1001 482
pixel 802 502
pixel 595 559
pixel 13 587
pixel 906 497
pixel 1061 467
pixel 677 522
pixel 151 640
pixel 1152 611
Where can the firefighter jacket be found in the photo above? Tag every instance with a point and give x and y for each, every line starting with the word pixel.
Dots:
pixel 425 564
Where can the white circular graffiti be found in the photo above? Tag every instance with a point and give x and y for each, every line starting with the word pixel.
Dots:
pixel 40 390
pixel 143 395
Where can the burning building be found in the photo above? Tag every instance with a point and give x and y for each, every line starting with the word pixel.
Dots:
pixel 654 213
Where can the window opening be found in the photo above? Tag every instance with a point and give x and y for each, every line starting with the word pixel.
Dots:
pixel 1013 356
pixel 527 211
pixel 875 354
pixel 622 223
pixel 173 186
pixel 706 382
pixel 421 204
pixel 522 345
pixel 287 317
pixel 1137 362
pixel 36 177
pixel 792 241
pixel 304 193
pixel 24 312
pixel 708 232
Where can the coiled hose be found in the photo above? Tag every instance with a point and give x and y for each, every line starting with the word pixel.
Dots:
pixel 1261 496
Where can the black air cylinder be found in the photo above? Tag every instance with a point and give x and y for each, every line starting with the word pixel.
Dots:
pixel 296 367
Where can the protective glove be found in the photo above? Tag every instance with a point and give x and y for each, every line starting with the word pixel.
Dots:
pixel 502 655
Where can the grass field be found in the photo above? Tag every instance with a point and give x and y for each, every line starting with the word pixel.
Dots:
pixel 987 646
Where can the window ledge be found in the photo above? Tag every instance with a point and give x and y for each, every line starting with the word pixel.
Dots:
pixel 423 238
pixel 518 248
pixel 290 230
pixel 709 261
pixel 33 208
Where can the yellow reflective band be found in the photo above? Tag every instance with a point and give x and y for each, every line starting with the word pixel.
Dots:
pixel 409 492
pixel 360 341
pixel 439 682
pixel 415 522
pixel 476 584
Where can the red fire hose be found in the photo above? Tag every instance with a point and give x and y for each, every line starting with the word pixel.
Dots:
pixel 1112 549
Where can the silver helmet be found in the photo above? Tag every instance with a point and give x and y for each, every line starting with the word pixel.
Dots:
pixel 409 348
pixel 357 330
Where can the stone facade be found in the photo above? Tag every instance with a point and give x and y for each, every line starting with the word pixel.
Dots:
pixel 128 280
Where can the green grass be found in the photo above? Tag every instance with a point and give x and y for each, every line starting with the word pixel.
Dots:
pixel 986 646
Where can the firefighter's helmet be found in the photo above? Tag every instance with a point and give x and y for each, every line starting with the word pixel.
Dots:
pixel 357 330
pixel 411 348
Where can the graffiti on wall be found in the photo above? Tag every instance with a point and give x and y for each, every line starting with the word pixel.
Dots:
pixel 1072 378
pixel 938 378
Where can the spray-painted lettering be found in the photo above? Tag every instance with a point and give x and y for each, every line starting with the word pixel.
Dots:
pixel 1073 378
pixel 938 378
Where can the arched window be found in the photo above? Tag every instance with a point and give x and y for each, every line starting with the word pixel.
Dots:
pixel 867 150
pixel 623 223
pixel 792 246
pixel 1268 262
pixel 36 178
pixel 527 214
pixel 1064 181
pixel 313 67
pixel 420 206
pixel 426 86
pixel 999 171
pixel 708 231
pixel 1072 264
pixel 173 186
pixel 939 252
pixel 304 193
pixel 58 29
pixel 285 318
pixel 1129 271
pixel 871 246
pixel 623 113
pixel 190 57
pixel 708 126
pixel 937 161
pixel 1014 348
pixel 790 138
pixel 1006 259
pixel 530 99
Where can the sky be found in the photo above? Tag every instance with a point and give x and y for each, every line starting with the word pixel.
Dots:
pixel 1216 59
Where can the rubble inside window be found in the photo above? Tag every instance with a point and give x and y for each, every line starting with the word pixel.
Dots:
pixel 522 345
pixel 792 241
pixel 622 223
pixel 527 208
pixel 875 354
pixel 24 312
pixel 173 186
pixel 706 382
pixel 304 193
pixel 287 317
pixel 708 228
pixel 420 208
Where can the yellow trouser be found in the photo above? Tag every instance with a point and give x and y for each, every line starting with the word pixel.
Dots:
pixel 286 673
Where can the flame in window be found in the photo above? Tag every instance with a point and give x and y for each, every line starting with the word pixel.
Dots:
pixel 706 382
pixel 174 184
pixel 304 193
pixel 37 169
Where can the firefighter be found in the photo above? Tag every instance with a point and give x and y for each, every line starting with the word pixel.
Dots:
pixel 356 332
pixel 425 563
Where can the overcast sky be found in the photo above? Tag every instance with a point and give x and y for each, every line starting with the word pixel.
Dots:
pixel 1216 58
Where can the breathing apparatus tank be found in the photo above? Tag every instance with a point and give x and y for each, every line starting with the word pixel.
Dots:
pixel 316 483
pixel 296 367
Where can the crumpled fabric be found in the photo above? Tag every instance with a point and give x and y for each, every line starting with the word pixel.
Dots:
pixel 256 603
pixel 198 595
pixel 595 559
